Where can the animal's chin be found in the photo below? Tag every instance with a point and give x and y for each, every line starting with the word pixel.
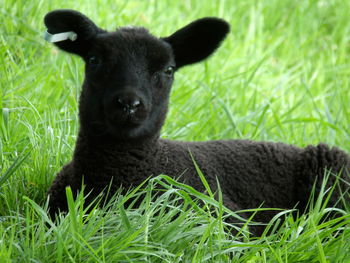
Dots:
pixel 116 131
pixel 121 128
pixel 126 129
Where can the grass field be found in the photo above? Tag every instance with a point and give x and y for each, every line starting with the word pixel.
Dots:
pixel 281 75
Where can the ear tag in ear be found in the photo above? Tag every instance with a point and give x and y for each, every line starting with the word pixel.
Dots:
pixel 72 36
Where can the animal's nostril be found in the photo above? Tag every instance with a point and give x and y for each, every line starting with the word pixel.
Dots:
pixel 128 104
pixel 136 103
pixel 120 102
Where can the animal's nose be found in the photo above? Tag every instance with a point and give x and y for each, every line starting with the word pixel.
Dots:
pixel 128 103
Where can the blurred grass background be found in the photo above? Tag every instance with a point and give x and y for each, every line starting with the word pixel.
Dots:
pixel 281 75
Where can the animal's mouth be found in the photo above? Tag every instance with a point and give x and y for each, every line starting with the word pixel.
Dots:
pixel 127 119
pixel 119 123
pixel 131 122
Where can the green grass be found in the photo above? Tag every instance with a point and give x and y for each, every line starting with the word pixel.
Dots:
pixel 281 75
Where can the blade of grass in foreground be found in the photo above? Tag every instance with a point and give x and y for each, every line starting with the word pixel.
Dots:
pixel 169 225
pixel 14 166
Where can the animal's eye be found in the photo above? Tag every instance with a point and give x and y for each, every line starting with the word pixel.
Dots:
pixel 169 70
pixel 93 60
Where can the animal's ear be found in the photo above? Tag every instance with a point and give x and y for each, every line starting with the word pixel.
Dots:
pixel 80 28
pixel 197 40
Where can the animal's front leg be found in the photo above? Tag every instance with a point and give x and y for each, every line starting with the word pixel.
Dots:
pixel 57 191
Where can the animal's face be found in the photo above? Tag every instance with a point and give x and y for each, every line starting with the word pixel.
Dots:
pixel 129 72
pixel 128 78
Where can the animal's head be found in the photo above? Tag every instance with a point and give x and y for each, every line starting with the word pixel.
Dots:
pixel 129 72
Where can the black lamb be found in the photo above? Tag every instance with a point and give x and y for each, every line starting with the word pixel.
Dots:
pixel 123 105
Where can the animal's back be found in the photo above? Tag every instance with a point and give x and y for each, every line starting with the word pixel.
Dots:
pixel 249 172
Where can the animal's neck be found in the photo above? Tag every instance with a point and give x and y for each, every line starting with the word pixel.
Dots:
pixel 123 160
pixel 107 146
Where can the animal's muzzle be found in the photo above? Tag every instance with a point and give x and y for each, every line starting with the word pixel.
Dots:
pixel 128 108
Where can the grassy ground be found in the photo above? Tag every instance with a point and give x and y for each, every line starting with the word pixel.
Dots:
pixel 282 75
